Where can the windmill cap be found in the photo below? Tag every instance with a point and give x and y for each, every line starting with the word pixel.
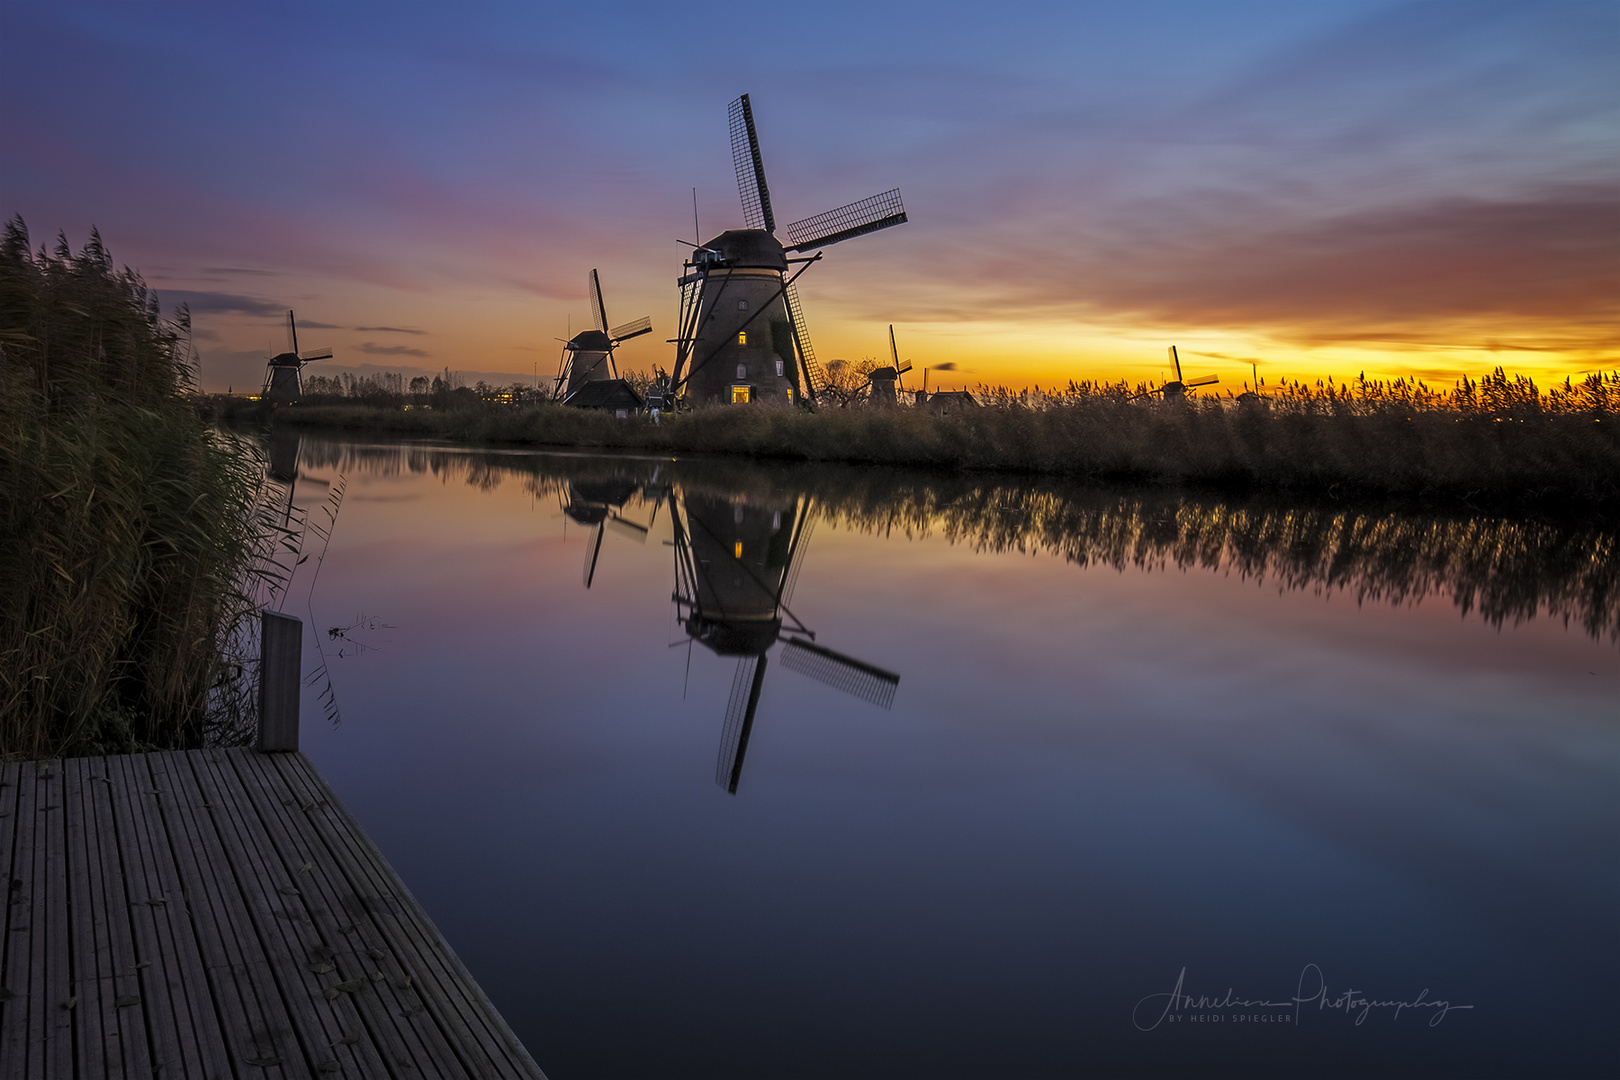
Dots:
pixel 750 248
pixel 884 374
pixel 589 341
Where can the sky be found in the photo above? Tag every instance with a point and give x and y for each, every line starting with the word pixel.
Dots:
pixel 1301 189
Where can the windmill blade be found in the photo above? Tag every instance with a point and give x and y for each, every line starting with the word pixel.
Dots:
pixel 319 354
pixel 813 376
pixel 740 708
pixel 629 330
pixel 627 529
pixel 854 677
pixel 756 197
pixel 593 548
pixel 1176 360
pixel 857 219
pixel 292 334
pixel 894 354
pixel 598 311
pixel 1205 381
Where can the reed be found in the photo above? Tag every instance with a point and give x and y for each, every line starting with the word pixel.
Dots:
pixel 127 535
pixel 1498 439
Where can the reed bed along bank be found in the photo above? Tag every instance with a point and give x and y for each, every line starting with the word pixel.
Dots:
pixel 1497 440
pixel 127 535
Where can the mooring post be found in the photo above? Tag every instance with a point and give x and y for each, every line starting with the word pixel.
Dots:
pixel 281 650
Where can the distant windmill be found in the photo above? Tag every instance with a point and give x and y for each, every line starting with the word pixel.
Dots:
pixel 588 355
pixel 283 378
pixel 1176 390
pixel 735 567
pixel 742 333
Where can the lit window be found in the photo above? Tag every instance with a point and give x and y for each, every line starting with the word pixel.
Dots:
pixel 739 395
pixel 779 368
pixel 742 371
pixel 742 337
pixel 739 549
pixel 790 395
pixel 742 305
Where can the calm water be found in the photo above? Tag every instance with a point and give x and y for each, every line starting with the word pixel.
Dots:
pixel 1050 754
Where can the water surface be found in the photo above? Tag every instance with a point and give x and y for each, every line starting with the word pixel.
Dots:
pixel 1007 764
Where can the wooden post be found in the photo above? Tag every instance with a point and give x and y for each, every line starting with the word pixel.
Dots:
pixel 281 649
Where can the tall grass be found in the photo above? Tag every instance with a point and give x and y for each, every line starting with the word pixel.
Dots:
pixel 126 527
pixel 1498 439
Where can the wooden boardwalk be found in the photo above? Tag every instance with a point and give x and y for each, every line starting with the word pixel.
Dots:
pixel 217 913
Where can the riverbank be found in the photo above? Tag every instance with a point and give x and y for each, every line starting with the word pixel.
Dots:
pixel 1527 452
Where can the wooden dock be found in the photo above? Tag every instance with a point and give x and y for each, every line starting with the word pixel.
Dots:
pixel 217 913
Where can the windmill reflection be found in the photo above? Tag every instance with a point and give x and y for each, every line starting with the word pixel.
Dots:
pixel 600 503
pixel 736 563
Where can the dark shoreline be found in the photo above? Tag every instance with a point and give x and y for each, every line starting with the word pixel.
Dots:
pixel 1557 465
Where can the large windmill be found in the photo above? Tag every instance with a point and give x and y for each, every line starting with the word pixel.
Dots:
pixel 735 567
pixel 1176 390
pixel 283 378
pixel 588 356
pixel 742 335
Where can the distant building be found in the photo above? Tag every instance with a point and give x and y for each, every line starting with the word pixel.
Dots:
pixel 606 395
pixel 944 401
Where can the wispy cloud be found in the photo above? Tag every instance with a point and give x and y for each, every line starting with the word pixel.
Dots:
pixel 389 330
pixel 372 348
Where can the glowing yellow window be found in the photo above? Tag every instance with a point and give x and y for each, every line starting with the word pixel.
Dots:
pixel 739 395
pixel 742 337
pixel 739 549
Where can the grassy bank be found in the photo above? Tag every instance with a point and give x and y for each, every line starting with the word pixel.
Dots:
pixel 1499 440
pixel 125 524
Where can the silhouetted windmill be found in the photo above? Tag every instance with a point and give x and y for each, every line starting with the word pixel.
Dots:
pixel 735 567
pixel 283 378
pixel 588 355
pixel 743 335
pixel 1177 389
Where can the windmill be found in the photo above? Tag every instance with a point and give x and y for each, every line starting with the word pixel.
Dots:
pixel 736 563
pixel 588 356
pixel 1177 389
pixel 742 333
pixel 283 381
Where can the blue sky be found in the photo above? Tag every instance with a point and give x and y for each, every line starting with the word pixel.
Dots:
pixel 1424 188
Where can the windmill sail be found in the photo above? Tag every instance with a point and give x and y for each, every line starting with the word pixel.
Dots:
pixel 857 219
pixel 598 310
pixel 292 334
pixel 854 677
pixel 745 687
pixel 629 330
pixel 801 338
pixel 756 197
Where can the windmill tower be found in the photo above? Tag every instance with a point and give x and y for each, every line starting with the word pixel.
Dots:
pixel 736 563
pixel 283 378
pixel 1176 390
pixel 588 355
pixel 743 336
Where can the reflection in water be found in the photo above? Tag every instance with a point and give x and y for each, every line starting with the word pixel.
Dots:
pixel 736 562
pixel 1504 569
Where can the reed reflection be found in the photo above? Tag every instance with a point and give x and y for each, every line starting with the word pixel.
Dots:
pixel 1501 569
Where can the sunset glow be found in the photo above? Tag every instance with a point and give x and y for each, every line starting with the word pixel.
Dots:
pixel 1423 190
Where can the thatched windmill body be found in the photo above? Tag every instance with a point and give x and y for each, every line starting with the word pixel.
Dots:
pixel 283 374
pixel 743 336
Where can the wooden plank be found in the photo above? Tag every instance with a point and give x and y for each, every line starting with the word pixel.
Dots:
pixel 258 1031
pixel 285 929
pixel 386 1008
pixel 17 977
pixel 457 1003
pixel 127 1024
pixel 91 961
pixel 10 783
pixel 175 998
pixel 433 965
pixel 19 902
pixel 54 1021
